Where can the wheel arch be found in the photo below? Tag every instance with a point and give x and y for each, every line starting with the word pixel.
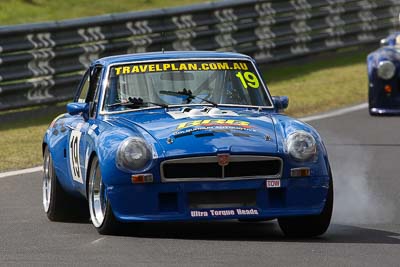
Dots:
pixel 44 145
pixel 90 161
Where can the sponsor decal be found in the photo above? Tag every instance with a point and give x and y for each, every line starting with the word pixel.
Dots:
pixel 213 125
pixel 222 213
pixel 276 183
pixel 93 130
pixel 212 128
pixel 181 66
pixel 219 122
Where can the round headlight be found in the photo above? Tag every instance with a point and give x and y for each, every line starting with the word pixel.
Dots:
pixel 386 69
pixel 133 154
pixel 301 146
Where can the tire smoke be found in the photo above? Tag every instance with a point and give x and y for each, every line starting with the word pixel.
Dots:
pixel 355 200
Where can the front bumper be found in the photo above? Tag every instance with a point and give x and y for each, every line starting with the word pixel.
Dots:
pixel 170 201
pixel 384 111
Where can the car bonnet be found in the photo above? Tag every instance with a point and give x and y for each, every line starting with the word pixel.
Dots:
pixel 194 131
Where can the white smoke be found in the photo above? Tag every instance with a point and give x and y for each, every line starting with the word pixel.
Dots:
pixel 356 201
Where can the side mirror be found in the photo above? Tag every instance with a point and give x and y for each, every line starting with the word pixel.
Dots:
pixel 280 102
pixel 384 42
pixel 77 108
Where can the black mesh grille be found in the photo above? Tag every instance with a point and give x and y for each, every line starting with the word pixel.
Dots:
pixel 222 199
pixel 253 168
pixel 195 170
pixel 179 170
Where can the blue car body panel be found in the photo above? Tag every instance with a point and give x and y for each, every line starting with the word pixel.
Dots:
pixel 380 101
pixel 74 140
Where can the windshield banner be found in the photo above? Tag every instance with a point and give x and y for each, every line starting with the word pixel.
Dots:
pixel 181 66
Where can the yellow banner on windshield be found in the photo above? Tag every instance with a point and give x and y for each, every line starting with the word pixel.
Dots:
pixel 180 66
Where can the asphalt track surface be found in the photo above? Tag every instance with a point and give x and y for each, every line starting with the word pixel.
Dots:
pixel 364 153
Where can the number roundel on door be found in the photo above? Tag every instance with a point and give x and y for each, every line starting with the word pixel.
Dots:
pixel 74 159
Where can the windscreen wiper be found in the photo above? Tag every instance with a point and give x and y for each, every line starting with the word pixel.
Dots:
pixel 189 95
pixel 136 103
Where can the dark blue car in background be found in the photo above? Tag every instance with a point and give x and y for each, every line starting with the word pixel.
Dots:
pixel 183 136
pixel 383 77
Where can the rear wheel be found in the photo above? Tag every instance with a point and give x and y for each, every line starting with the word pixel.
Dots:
pixel 100 209
pixel 309 226
pixel 58 204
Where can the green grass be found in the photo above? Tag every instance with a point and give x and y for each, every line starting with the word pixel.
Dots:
pixel 314 86
pixel 21 134
pixel 28 11
pixel 21 147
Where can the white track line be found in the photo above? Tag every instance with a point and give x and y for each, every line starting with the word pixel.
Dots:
pixel 24 171
pixel 305 119
pixel 97 240
pixel 335 113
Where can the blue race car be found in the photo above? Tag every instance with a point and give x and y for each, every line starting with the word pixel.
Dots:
pixel 183 136
pixel 383 75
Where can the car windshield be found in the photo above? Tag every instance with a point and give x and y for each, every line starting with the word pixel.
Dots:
pixel 158 84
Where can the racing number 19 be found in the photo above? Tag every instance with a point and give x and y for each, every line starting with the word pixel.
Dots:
pixel 248 79
pixel 74 155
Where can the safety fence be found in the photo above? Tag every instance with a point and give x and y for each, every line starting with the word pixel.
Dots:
pixel 42 63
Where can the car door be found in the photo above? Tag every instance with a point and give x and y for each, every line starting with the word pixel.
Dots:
pixel 79 142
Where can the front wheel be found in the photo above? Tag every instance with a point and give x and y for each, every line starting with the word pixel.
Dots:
pixel 57 203
pixel 101 213
pixel 309 226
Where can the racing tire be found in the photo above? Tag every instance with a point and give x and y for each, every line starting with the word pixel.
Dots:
pixel 101 213
pixel 312 225
pixel 57 203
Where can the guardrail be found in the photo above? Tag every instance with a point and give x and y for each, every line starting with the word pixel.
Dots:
pixel 41 63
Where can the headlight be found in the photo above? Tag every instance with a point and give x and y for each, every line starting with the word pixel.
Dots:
pixel 386 69
pixel 133 154
pixel 301 146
